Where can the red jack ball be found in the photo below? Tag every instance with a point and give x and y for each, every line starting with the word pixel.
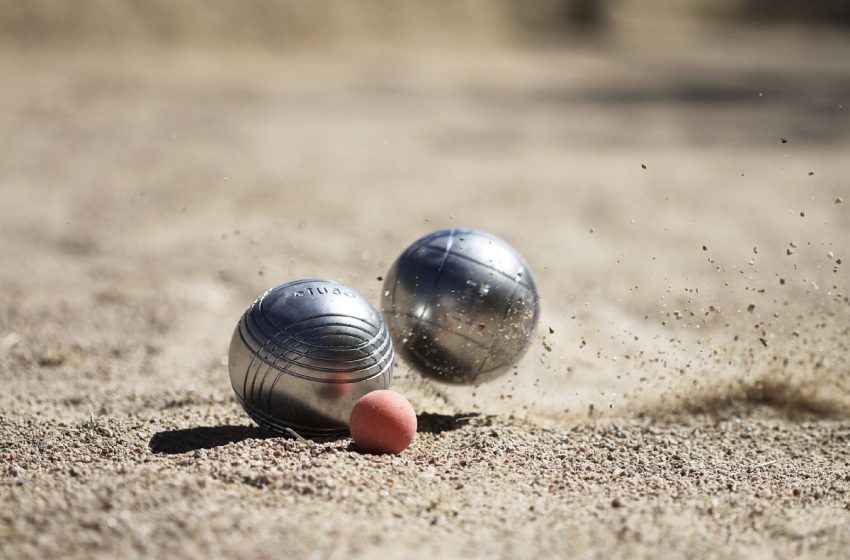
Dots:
pixel 383 421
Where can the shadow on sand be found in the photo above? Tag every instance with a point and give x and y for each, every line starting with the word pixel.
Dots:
pixel 205 437
pixel 432 423
pixel 208 437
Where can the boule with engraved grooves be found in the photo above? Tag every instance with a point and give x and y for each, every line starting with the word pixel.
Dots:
pixel 304 353
pixel 461 305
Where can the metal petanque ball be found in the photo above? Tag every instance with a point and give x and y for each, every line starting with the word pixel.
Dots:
pixel 304 352
pixel 461 305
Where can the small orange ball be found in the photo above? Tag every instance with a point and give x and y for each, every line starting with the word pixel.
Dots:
pixel 383 421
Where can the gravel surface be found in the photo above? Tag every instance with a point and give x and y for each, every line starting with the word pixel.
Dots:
pixel 737 485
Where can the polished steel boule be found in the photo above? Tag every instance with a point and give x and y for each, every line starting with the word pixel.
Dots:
pixel 304 352
pixel 461 305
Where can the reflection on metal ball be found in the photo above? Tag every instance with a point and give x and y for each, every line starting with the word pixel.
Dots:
pixel 304 352
pixel 461 305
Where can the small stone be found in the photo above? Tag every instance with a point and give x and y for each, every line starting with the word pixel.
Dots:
pixel 51 359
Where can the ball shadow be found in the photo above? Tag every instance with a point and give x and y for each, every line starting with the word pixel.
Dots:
pixel 433 423
pixel 172 442
pixel 204 437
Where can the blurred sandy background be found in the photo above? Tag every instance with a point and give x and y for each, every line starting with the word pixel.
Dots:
pixel 677 177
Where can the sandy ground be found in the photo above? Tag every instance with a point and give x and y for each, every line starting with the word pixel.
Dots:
pixel 688 394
